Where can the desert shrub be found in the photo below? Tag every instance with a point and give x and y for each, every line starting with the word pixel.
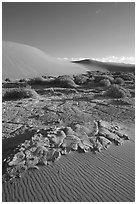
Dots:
pixel 40 81
pixel 65 82
pixel 35 81
pixel 132 92
pixel 48 77
pixel 19 93
pixel 104 82
pixel 98 78
pixel 7 80
pixel 66 77
pixel 131 86
pixel 91 82
pixel 116 91
pixel 119 80
pixel 80 79
pixel 89 73
pixel 127 76
pixel 110 78
pixel 45 77
pixel 24 80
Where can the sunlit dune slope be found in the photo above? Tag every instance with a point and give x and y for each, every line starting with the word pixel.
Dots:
pixel 106 66
pixel 23 61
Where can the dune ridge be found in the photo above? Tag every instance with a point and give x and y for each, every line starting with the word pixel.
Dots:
pixel 106 66
pixel 23 61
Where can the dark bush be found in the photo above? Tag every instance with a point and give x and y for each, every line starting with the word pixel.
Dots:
pixel 89 73
pixel 65 82
pixel 98 78
pixel 116 91
pixel 104 82
pixel 81 79
pixel 19 93
pixel 91 82
pixel 110 78
pixel 7 80
pixel 119 81
pixel 23 80
pixel 127 76
pixel 48 77
pixel 35 81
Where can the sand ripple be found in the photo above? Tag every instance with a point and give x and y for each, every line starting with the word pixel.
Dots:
pixel 106 176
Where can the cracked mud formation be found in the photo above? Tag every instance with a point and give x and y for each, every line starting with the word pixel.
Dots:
pixel 69 144
pixel 48 147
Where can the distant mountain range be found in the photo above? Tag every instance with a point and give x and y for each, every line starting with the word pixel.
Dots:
pixel 23 61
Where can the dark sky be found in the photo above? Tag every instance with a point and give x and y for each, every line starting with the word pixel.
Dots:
pixel 62 29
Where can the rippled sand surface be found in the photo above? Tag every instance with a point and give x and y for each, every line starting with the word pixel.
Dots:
pixel 107 176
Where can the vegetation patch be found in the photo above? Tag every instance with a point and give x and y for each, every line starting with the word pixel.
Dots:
pixel 127 76
pixel 65 82
pixel 116 91
pixel 18 93
pixel 98 78
pixel 119 81
pixel 104 82
pixel 7 80
pixel 81 79
pixel 40 81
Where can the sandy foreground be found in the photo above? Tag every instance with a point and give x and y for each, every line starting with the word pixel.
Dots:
pixel 106 176
pixel 80 177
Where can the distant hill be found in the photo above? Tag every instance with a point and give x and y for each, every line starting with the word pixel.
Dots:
pixel 23 61
pixel 105 66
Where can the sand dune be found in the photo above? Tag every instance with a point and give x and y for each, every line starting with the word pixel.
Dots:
pixel 105 66
pixel 22 61
pixel 80 177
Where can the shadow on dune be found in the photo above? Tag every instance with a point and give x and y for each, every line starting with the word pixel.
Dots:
pixel 106 66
